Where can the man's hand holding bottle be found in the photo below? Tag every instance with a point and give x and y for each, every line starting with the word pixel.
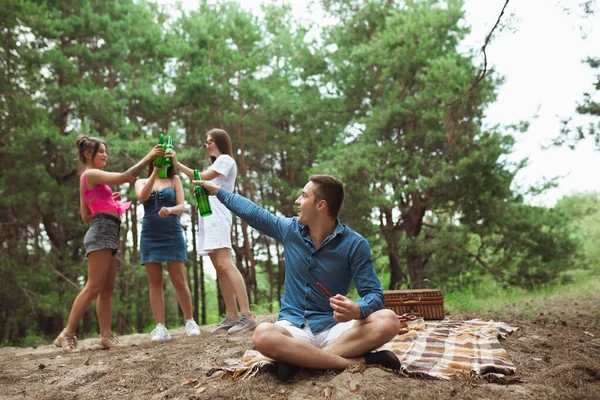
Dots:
pixel 210 187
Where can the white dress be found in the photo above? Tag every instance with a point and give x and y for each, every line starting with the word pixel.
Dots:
pixel 214 231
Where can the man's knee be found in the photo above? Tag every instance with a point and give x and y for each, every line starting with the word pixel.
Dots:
pixel 267 339
pixel 387 321
pixel 262 334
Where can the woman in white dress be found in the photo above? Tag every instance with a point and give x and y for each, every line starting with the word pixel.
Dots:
pixel 214 233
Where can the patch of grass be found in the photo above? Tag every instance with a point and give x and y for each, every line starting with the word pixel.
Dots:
pixel 491 296
pixel 33 340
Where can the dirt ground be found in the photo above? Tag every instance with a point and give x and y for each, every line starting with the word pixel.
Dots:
pixel 556 351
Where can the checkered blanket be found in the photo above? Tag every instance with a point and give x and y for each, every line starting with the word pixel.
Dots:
pixel 443 349
pixel 449 348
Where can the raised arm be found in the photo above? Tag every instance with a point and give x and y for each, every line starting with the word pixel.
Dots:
pixel 257 217
pixel 98 177
pixel 186 170
pixel 189 172
pixel 143 187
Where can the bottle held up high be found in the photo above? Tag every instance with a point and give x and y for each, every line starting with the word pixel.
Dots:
pixel 201 197
pixel 169 159
pixel 162 168
pixel 159 161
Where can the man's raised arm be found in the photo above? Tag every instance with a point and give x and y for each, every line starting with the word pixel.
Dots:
pixel 257 217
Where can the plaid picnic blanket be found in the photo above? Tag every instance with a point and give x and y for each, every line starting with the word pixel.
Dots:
pixel 449 348
pixel 443 349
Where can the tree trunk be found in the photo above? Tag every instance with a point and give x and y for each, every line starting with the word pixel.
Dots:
pixel 220 302
pixel 248 273
pixel 413 223
pixel 269 270
pixel 124 276
pixel 397 277
pixel 391 234
pixel 135 255
pixel 139 313
pixel 63 108
pixel 202 292
pixel 195 263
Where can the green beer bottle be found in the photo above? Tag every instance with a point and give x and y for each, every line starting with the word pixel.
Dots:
pixel 169 160
pixel 159 161
pixel 201 197
pixel 162 171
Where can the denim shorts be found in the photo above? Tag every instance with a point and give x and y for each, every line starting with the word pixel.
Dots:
pixel 103 234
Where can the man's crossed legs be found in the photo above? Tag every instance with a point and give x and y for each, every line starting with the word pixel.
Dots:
pixel 343 345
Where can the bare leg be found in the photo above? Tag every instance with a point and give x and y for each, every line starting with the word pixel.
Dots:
pixel 276 342
pixel 104 301
pixel 177 275
pixel 231 283
pixel 366 334
pixel 155 286
pixel 99 264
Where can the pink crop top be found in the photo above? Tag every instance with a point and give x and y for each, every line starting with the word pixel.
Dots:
pixel 100 199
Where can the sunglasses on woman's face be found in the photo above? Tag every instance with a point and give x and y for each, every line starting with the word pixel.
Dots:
pixel 209 141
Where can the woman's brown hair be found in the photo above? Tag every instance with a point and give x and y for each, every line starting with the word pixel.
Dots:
pixel 85 143
pixel 222 140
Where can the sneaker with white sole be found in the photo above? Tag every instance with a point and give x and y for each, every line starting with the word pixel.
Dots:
pixel 192 328
pixel 225 325
pixel 243 323
pixel 160 333
pixel 110 341
pixel 68 341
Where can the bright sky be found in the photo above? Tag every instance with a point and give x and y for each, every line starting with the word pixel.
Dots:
pixel 539 54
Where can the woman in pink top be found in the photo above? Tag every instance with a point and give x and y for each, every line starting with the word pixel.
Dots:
pixel 99 206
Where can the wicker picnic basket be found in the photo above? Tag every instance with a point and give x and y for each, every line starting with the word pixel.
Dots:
pixel 428 303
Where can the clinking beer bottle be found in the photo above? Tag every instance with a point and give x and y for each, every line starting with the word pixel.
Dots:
pixel 159 161
pixel 162 171
pixel 201 197
pixel 169 160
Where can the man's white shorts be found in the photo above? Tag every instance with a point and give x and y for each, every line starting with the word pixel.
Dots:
pixel 321 339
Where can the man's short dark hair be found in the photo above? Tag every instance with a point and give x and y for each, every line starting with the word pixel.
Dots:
pixel 331 190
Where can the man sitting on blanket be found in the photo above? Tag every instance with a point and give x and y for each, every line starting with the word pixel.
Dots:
pixel 312 330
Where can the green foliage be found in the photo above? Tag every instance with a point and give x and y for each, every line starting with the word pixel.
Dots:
pixel 416 160
pixel 582 213
pixel 489 295
pixel 571 132
pixel 427 183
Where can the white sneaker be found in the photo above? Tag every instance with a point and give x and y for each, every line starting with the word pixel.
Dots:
pixel 160 333
pixel 192 328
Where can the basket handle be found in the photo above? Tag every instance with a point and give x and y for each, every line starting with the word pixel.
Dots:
pixel 410 301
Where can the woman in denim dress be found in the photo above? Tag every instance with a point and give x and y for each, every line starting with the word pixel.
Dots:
pixel 162 241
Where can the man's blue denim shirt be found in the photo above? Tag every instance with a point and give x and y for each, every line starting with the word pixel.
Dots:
pixel 342 257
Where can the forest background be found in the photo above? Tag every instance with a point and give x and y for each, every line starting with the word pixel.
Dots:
pixel 386 97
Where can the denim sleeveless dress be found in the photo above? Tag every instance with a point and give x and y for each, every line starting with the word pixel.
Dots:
pixel 162 239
